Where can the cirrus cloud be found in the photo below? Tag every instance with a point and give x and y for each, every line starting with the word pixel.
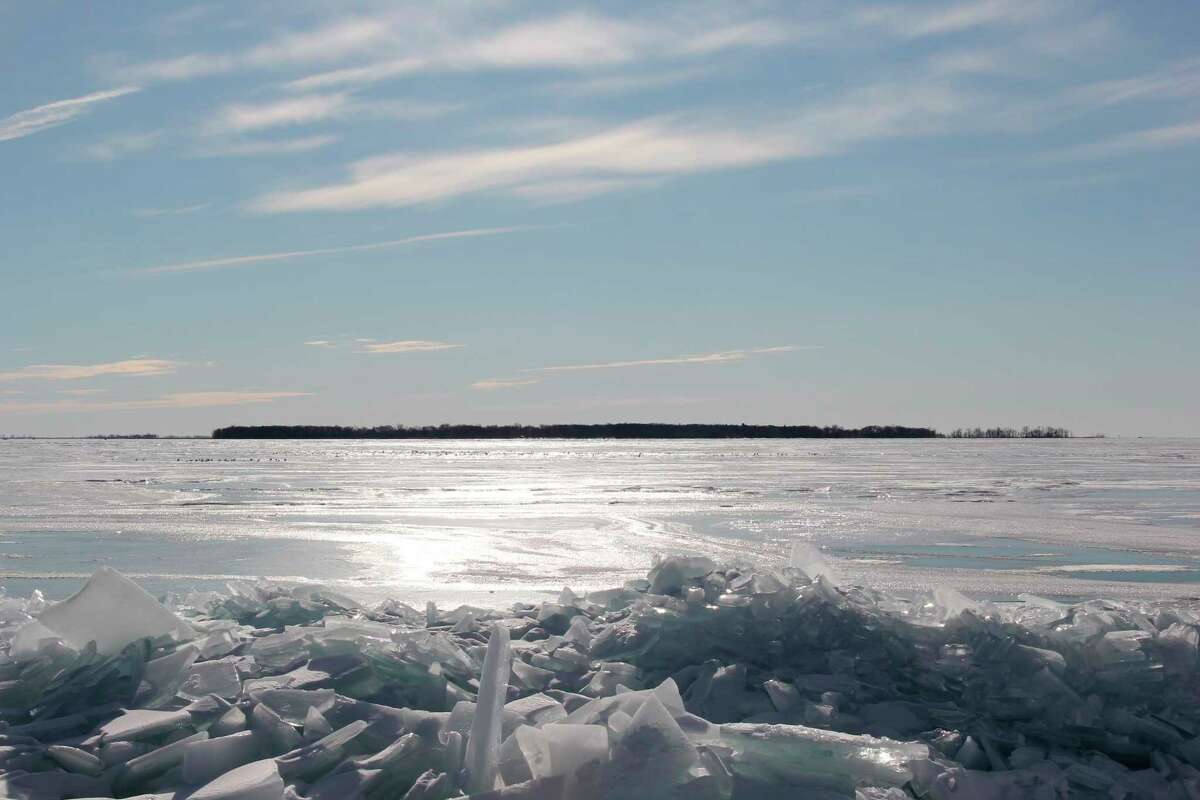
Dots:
pixel 50 115
pixel 406 346
pixel 71 372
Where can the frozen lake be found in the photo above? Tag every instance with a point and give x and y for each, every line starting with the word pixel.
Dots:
pixel 494 521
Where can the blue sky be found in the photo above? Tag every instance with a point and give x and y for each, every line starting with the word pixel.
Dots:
pixel 945 213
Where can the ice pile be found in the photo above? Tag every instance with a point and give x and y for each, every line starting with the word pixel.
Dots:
pixel 698 682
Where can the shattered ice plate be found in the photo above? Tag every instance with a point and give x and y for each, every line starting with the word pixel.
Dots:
pixel 704 682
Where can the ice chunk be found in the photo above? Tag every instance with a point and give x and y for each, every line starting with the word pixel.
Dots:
pixel 531 677
pixel 654 746
pixel 275 735
pixel 573 746
pixel 218 677
pixel 143 724
pixel 156 761
pixel 116 753
pixel 165 675
pixel 49 786
pixel 209 758
pixel 667 693
pixel 258 780
pixel 73 759
pixel 315 725
pixel 670 574
pixel 112 611
pixel 1044 781
pixel 483 745
pixel 293 705
pixel 232 721
pixel 537 709
pixel 618 723
pixel 792 755
pixel 312 760
pixel 812 562
pixel 524 756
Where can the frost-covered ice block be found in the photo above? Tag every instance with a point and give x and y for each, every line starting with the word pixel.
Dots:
pixel 232 721
pixel 143 724
pixel 315 725
pixel 292 705
pixel 609 675
pixel 524 756
pixel 209 758
pixel 537 709
pixel 275 735
pixel 218 677
pixel 258 780
pixel 573 746
pixel 483 746
pixel 653 752
pixel 112 611
pixel 165 675
pixel 794 755
pixel 531 677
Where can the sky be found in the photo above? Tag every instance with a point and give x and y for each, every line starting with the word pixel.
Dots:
pixel 976 212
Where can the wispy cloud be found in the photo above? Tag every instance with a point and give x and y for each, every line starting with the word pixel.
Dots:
pixel 1149 139
pixel 263 147
pixel 492 384
pixel 82 392
pixel 407 346
pixel 654 148
pixel 242 117
pixel 1180 79
pixel 924 19
pixel 630 82
pixel 368 345
pixel 721 357
pixel 60 112
pixel 289 255
pixel 329 42
pixel 120 146
pixel 170 211
pixel 456 42
pixel 71 372
pixel 174 400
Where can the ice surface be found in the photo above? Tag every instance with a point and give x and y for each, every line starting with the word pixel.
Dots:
pixel 734 682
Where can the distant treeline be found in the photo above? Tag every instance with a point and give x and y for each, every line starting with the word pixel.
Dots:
pixel 617 430
pixel 1010 433
pixel 122 436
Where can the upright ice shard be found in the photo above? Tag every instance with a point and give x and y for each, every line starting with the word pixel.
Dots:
pixel 483 746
